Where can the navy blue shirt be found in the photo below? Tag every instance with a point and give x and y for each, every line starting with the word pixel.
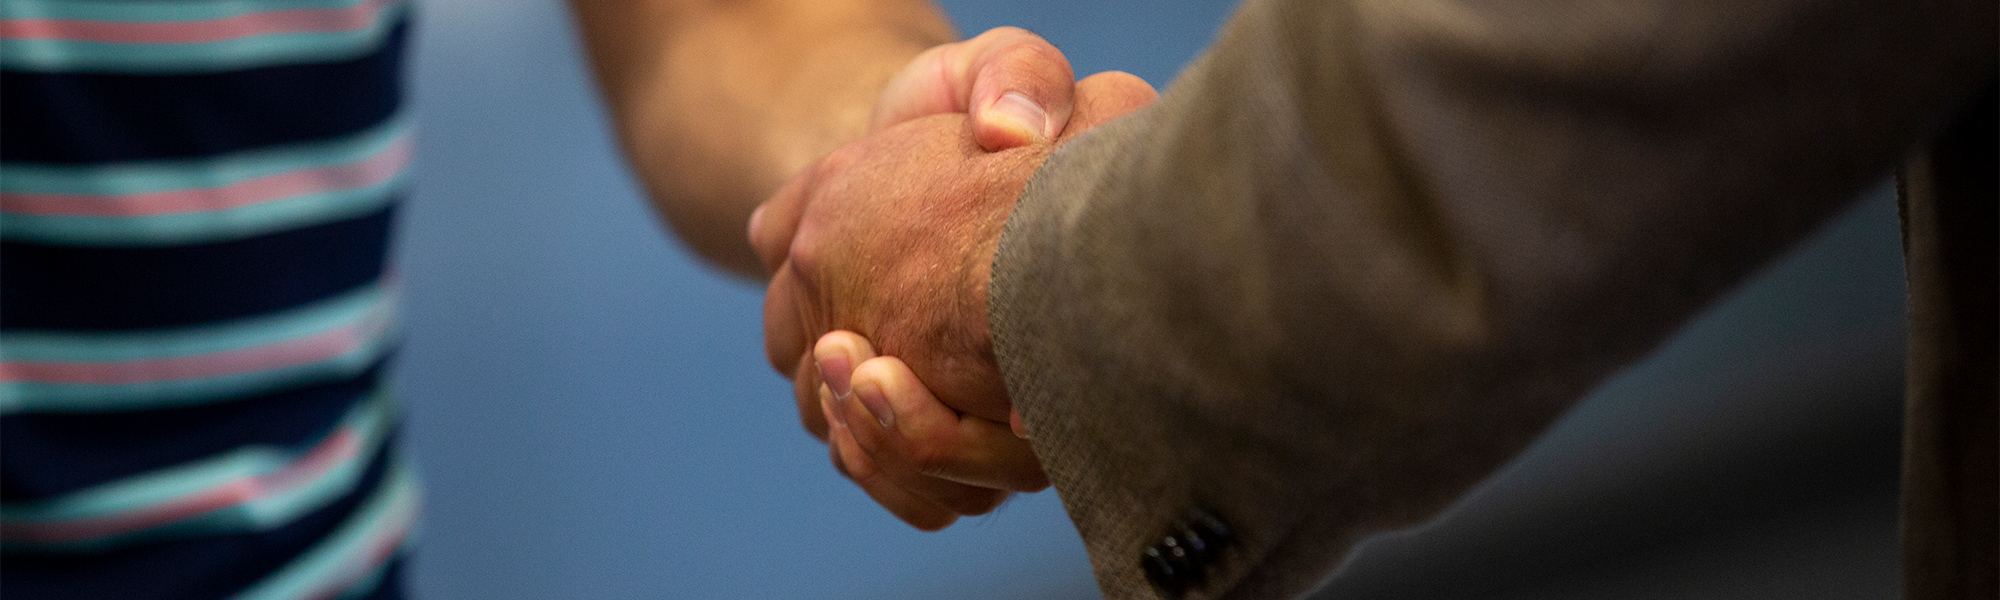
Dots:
pixel 195 305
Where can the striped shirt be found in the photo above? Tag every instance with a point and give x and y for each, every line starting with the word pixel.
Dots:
pixel 195 204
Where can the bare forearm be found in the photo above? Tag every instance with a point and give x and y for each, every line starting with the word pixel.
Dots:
pixel 716 102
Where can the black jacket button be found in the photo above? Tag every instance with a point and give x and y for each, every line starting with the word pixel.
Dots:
pixel 1167 579
pixel 1210 528
pixel 1181 560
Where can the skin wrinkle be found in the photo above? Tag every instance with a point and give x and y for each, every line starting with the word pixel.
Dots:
pixel 944 68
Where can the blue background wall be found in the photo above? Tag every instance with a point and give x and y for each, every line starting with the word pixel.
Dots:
pixel 595 419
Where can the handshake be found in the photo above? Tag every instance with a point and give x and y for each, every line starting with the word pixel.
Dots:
pixel 879 258
pixel 1359 258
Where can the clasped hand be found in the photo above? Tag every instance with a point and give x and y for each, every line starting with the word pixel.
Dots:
pixel 886 247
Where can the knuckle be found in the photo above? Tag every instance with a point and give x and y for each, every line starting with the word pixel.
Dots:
pixel 804 260
pixel 841 160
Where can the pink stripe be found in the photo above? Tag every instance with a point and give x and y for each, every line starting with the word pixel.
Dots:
pixel 342 446
pixel 372 556
pixel 289 353
pixel 371 171
pixel 305 20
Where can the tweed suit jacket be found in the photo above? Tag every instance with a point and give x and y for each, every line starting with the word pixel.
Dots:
pixel 1363 252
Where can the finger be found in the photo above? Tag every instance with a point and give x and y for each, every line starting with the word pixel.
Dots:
pixel 773 223
pixel 838 352
pixel 785 332
pixel 899 423
pixel 785 335
pixel 830 414
pixel 834 357
pixel 811 395
pixel 1106 96
pixel 957 497
pixel 904 504
pixel 1023 90
pixel 1017 87
pixel 926 86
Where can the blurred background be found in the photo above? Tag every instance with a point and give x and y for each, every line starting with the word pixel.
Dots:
pixel 594 417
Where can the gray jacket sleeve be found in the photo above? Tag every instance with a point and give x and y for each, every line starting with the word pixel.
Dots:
pixel 1363 252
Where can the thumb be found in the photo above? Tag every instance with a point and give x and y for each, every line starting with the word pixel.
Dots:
pixel 1017 88
pixel 1023 89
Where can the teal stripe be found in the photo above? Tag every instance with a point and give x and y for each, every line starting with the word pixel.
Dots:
pixel 332 562
pixel 370 421
pixel 201 227
pixel 155 11
pixel 241 53
pixel 216 171
pixel 32 396
pixel 346 309
pixel 371 301
pixel 370 582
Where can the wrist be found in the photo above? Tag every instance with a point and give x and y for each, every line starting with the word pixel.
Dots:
pixel 828 98
pixel 741 97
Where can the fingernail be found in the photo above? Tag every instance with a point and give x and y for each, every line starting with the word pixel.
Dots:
pixel 877 404
pixel 838 373
pixel 831 407
pixel 1024 113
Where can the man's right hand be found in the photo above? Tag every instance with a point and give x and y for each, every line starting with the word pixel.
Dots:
pixel 891 237
pixel 1013 88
